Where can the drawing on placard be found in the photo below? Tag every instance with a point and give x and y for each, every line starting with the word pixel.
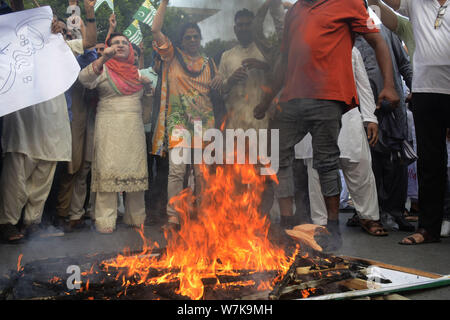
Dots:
pixel 16 56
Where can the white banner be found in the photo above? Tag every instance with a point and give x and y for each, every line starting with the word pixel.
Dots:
pixel 35 65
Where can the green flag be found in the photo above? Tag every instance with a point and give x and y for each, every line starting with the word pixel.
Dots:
pixel 146 13
pixel 133 33
pixel 110 3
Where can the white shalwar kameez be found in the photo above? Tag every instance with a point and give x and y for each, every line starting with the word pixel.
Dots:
pixel 34 140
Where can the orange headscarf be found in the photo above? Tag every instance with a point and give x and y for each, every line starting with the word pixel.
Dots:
pixel 124 75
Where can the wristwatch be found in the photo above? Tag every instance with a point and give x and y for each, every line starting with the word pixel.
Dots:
pixel 90 19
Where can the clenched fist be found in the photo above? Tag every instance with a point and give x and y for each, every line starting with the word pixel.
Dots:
pixel 109 53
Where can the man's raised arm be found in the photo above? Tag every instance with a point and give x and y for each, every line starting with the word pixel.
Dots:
pixel 387 16
pixel 91 27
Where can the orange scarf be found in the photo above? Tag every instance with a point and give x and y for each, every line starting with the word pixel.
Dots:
pixel 123 75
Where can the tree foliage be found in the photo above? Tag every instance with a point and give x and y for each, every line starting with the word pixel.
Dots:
pixel 124 11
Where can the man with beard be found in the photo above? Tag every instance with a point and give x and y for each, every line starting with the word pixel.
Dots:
pixel 245 72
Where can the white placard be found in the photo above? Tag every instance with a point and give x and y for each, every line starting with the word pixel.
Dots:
pixel 35 65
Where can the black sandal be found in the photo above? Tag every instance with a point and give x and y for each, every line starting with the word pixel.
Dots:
pixel 10 234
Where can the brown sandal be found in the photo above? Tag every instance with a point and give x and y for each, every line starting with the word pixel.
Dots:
pixel 10 234
pixel 427 238
pixel 372 227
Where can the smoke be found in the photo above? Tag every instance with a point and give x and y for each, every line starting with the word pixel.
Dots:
pixel 221 24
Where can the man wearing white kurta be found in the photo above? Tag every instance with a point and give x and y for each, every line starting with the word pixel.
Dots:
pixel 355 159
pixel 245 72
pixel 34 139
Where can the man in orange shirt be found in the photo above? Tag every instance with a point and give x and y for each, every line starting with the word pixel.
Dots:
pixel 316 75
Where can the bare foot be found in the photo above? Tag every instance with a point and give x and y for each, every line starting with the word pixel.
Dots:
pixel 416 238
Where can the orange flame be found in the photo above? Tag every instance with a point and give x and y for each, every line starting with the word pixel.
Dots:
pixel 307 292
pixel 227 235
pixel 54 280
pixel 18 262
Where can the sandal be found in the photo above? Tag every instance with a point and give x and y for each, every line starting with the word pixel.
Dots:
pixel 10 234
pixel 427 238
pixel 372 227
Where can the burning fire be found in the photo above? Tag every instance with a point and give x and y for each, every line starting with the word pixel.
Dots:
pixel 228 234
pixel 19 267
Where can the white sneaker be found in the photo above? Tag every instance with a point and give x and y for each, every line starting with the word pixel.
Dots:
pixel 445 229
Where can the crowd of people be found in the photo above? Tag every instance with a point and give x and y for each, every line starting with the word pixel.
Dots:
pixel 363 114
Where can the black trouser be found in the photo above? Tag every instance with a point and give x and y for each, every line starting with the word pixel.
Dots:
pixel 156 196
pixel 302 204
pixel 447 197
pixel 431 119
pixel 392 183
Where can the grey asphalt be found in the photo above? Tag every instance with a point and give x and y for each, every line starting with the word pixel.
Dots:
pixel 433 258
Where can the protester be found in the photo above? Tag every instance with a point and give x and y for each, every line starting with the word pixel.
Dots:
pixel 156 200
pixel 270 49
pixel 245 72
pixel 34 140
pixel 355 160
pixel 188 75
pixel 72 180
pixel 99 48
pixel 402 27
pixel 118 165
pixel 311 53
pixel 431 28
pixel 390 169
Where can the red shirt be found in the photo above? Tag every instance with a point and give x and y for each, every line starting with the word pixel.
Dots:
pixel 318 39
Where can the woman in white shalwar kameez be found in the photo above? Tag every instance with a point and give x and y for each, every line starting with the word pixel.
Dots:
pixel 355 159
pixel 119 158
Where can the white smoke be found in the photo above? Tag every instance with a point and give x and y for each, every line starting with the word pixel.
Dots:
pixel 221 24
